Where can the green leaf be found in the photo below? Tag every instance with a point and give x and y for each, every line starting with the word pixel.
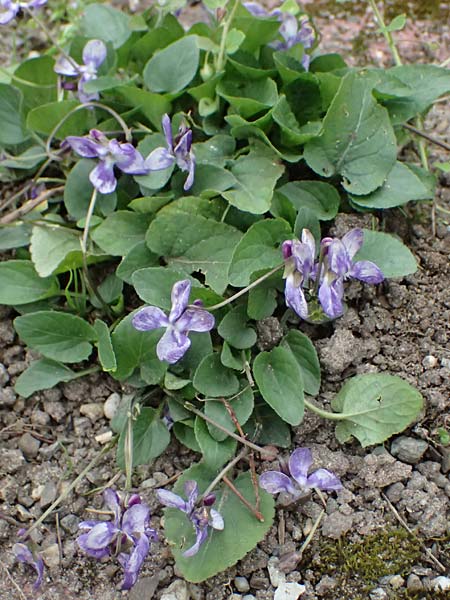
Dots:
pixel 222 549
pixel 322 199
pixel 15 235
pixel 258 249
pixel 120 232
pixel 375 406
pixel 234 329
pixel 152 106
pixel 184 433
pixel 78 192
pixel 55 248
pixel 104 346
pixel 107 23
pixel 43 119
pixel 170 70
pixel 242 406
pixel 42 374
pixel 56 335
pixel 396 24
pixel 211 180
pixel 139 257
pixel 234 40
pixel 248 97
pixel 213 379
pixel 231 358
pixel 280 383
pixel 266 427
pixel 404 183
pixel 30 158
pixel 262 301
pixel 12 130
pixel 39 71
pixel 191 243
pixel 388 253
pixel 306 219
pixel 150 438
pixel 305 354
pixel 154 285
pixel 292 134
pixel 217 150
pixel 20 284
pixel 215 454
pixel 357 139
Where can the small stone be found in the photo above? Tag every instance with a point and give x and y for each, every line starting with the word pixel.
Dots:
pixel 29 445
pixel 414 584
pixel 56 410
pixel 336 525
pixel 396 582
pixel 196 592
pixel 70 523
pixel 92 410
pixel 235 597
pixel 241 584
pixel 289 591
pixel 51 556
pixel 248 597
pixel 276 576
pixel 258 582
pixel 178 590
pixel 445 363
pixel 81 425
pixel 10 460
pixel 8 489
pixel 408 449
pixel 111 405
pixel 23 514
pixel 429 362
pixel 7 397
pixel 378 594
pixel 326 585
pixel 4 375
pixel 441 584
pixel 144 589
pixel 48 494
pixel 40 418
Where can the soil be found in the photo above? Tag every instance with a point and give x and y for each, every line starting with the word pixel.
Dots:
pixel 396 498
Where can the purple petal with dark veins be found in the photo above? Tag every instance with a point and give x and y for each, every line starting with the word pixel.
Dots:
pixel 99 537
pixel 216 520
pixel 149 318
pixel 24 555
pixel 324 480
pixel 367 271
pixel 191 491
pixel 338 258
pixel 112 501
pixel 183 147
pixel 134 499
pixel 256 9
pixel 180 299
pixel 135 519
pixel 172 500
pixel 98 554
pixel 353 240
pixel 172 346
pixel 289 28
pixel 127 158
pixel 37 3
pixel 8 10
pixel 191 168
pixel 160 158
pixel 64 66
pixel 167 129
pixel 201 535
pixel 195 320
pixel 102 177
pixel 286 249
pixel 295 298
pixel 85 147
pixel 94 53
pixel 299 463
pixel 331 293
pixel 275 482
pixel 84 96
pixel 135 560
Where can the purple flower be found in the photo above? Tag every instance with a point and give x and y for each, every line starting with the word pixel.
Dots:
pixel 299 481
pixel 178 151
pixel 128 535
pixel 10 9
pixel 339 266
pixel 94 54
pixel 201 517
pixel 181 320
pixel 299 269
pixel 25 555
pixel 111 153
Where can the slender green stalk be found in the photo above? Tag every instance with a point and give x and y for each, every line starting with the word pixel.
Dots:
pixel 387 34
pixel 224 471
pixel 220 62
pixel 325 413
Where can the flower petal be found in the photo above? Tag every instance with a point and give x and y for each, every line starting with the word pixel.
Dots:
pixel 99 537
pixel 183 147
pixel 172 346
pixel 24 555
pixel 338 258
pixel 8 10
pixel 256 9
pixel 171 500
pixel 84 96
pixel 160 158
pixel 112 501
pixel 133 565
pixel 299 463
pixel 191 168
pixel 331 293
pixel 191 491
pixel 324 480
pixel 102 177
pixel 353 240
pixel 167 128
pixel 85 147
pixel 202 534
pixel 64 66
pixel 195 320
pixel 367 271
pixel 275 482
pixel 149 318
pixel 286 249
pixel 295 297
pixel 135 519
pixel 216 520
pixel 94 53
pixel 180 298
pixel 98 554
pixel 127 158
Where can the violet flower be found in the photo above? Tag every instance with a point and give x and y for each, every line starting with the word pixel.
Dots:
pixel 181 320
pixel 94 54
pixel 299 268
pixel 179 151
pixel 111 153
pixel 23 554
pixel 128 535
pixel 9 9
pixel 298 481
pixel 201 517
pixel 340 266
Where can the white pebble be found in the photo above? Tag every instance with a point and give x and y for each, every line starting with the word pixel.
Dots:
pixel 111 405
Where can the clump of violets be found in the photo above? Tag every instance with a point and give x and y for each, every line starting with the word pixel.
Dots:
pixel 24 555
pixel 327 274
pixel 181 320
pixel 110 153
pixel 293 30
pixel 179 151
pixel 94 55
pixel 202 517
pixel 127 536
pixel 293 480
pixel 9 9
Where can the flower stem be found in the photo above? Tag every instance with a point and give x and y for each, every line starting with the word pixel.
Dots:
pixel 223 472
pixel 244 290
pixel 387 34
pixel 220 62
pixel 244 501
